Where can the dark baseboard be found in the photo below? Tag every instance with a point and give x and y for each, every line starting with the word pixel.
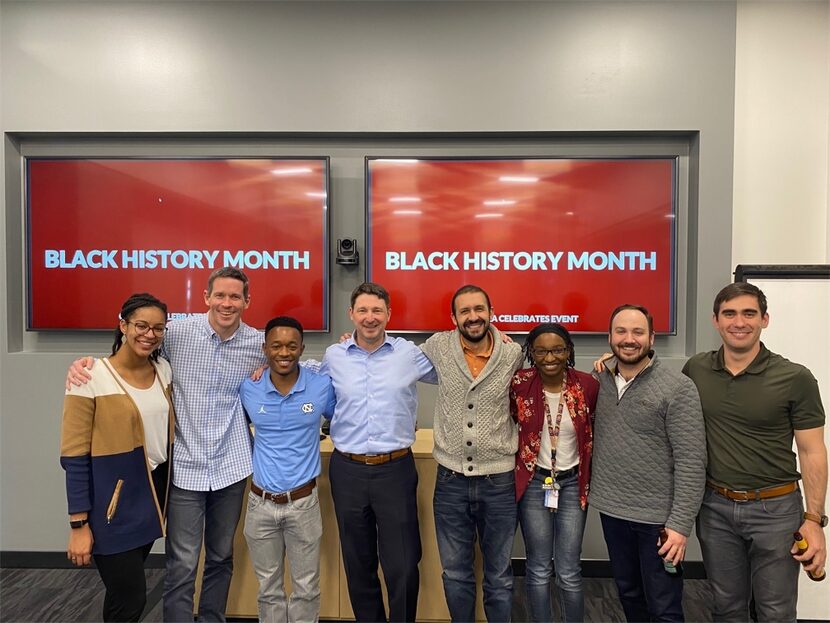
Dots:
pixel 57 560
pixel 692 570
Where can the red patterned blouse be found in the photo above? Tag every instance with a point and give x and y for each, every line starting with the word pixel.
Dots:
pixel 527 406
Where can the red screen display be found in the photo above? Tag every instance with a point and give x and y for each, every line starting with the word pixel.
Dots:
pixel 550 240
pixel 102 229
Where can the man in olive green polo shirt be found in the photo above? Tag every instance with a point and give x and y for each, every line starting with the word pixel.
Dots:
pixel 754 403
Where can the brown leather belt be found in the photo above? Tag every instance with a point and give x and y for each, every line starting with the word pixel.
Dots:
pixel 283 498
pixel 376 459
pixel 755 494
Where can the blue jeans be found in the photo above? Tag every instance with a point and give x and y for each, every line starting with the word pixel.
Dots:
pixel 192 515
pixel 553 536
pixel 746 552
pixel 647 592
pixel 466 507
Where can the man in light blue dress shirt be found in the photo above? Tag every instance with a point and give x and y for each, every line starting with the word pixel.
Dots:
pixel 372 471
pixel 283 519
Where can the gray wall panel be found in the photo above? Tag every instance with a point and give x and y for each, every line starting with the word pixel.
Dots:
pixel 262 69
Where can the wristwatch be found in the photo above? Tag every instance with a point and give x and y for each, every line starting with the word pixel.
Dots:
pixel 819 519
pixel 80 523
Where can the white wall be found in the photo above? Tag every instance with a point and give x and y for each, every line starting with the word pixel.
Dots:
pixel 782 133
pixel 782 177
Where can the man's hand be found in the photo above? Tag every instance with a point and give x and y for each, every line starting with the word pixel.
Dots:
pixel 599 364
pixel 816 546
pixel 78 373
pixel 812 456
pixel 257 374
pixel 674 549
pixel 344 337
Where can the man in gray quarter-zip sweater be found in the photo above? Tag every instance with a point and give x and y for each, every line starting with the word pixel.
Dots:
pixel 649 468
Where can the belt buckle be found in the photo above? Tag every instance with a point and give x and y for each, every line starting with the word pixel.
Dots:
pixel 274 498
pixel 745 495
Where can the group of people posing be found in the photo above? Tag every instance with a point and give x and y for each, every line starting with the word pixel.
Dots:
pixel 520 438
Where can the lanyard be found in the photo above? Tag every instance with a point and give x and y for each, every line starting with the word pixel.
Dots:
pixel 553 430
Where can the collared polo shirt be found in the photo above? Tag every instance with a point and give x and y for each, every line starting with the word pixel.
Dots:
pixel 750 417
pixel 377 400
pixel 287 428
pixel 212 448
pixel 477 361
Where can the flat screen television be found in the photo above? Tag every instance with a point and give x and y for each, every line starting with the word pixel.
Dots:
pixel 550 239
pixel 100 229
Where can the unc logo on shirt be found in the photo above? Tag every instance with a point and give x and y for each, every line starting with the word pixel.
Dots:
pixel 308 407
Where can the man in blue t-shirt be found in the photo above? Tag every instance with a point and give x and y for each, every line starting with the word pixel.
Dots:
pixel 285 407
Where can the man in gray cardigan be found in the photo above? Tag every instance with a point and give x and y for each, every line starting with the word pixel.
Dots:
pixel 649 468
pixel 475 445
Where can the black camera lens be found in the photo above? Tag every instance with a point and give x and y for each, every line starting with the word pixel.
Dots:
pixel 347 254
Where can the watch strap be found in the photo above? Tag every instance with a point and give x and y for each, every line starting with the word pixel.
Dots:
pixel 78 523
pixel 819 519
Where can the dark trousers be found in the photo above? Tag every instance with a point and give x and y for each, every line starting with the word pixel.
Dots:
pixel 123 577
pixel 377 517
pixel 647 592
pixel 123 573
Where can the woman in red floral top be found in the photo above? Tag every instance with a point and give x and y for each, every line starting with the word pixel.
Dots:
pixel 554 407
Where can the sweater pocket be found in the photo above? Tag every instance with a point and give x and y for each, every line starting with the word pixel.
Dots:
pixel 113 505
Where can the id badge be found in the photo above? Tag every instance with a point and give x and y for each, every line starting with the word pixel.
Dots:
pixel 552 499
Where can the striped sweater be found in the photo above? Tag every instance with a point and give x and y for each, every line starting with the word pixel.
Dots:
pixel 102 445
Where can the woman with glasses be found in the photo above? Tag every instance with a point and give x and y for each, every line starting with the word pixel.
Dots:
pixel 115 444
pixel 554 407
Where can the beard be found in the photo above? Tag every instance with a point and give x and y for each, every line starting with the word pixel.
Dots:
pixel 632 359
pixel 464 330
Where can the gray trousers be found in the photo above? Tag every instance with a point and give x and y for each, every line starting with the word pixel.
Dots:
pixel 746 552
pixel 274 531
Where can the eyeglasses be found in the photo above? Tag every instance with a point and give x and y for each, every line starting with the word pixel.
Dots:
pixel 541 353
pixel 142 327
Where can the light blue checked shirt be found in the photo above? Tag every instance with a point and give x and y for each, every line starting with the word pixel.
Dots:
pixel 212 446
pixel 377 400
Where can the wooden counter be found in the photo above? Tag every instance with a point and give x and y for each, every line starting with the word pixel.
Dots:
pixel 334 592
